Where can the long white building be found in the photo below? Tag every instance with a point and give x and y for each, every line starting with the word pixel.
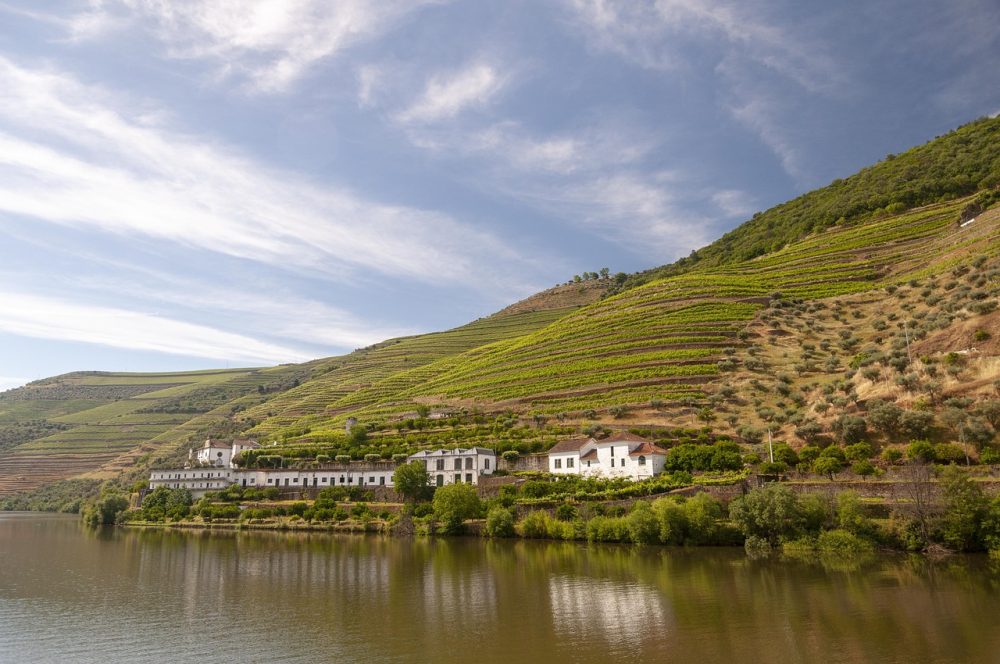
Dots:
pixel 215 472
pixel 618 455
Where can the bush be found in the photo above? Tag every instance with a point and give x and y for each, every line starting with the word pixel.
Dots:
pixel 858 452
pixel 607 529
pixel 922 451
pixel 843 543
pixel 499 522
pixel 948 453
pixel 769 513
pixel 643 526
pixel 566 512
pixel 453 504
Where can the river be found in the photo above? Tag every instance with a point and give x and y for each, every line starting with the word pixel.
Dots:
pixel 68 594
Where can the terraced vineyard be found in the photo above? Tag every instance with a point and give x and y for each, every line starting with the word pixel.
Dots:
pixel 105 422
pixel 359 376
pixel 670 341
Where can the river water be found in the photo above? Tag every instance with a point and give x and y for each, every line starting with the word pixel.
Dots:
pixel 68 594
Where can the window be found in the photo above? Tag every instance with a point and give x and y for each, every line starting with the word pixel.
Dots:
pixel 458 464
pixel 296 480
pixel 440 464
pixel 569 463
pixel 458 478
pixel 623 463
pixel 558 463
pixel 270 481
pixel 468 478
pixel 642 461
pixel 487 464
pixel 381 480
pixel 324 480
pixel 286 481
pixel 341 479
pixel 612 450
pixel 588 464
pixel 468 463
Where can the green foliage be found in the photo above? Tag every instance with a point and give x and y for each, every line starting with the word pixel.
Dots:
pixel 411 481
pixel 921 451
pixel 453 504
pixel 105 510
pixel 499 522
pixel 966 508
pixel 770 513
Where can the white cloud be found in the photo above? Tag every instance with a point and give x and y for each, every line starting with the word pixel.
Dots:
pixel 754 47
pixel 49 318
pixel 734 203
pixel 447 95
pixel 73 155
pixel 287 317
pixel 639 211
pixel 268 43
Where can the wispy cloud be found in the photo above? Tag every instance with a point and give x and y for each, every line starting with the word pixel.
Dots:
pixel 750 47
pixel 75 155
pixel 268 44
pixel 49 318
pixel 446 95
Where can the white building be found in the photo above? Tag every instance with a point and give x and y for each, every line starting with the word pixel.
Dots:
pixel 443 467
pixel 459 466
pixel 619 455
pixel 213 453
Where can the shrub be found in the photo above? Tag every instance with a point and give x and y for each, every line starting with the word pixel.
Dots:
pixel 891 455
pixel 769 513
pixel 858 451
pixel 948 453
pixel 842 543
pixel 453 504
pixel 921 451
pixel 643 526
pixel 499 522
pixel 566 512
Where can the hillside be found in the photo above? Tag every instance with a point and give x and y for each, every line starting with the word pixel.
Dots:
pixel 865 310
pixel 96 425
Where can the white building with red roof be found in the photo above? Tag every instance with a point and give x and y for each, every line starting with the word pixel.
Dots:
pixel 620 454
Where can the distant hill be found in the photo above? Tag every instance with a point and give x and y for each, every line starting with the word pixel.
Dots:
pixel 878 292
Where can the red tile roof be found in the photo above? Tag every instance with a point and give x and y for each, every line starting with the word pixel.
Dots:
pixel 591 455
pixel 647 449
pixel 570 445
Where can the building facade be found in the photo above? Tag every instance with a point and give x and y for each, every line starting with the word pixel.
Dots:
pixel 459 466
pixel 443 467
pixel 622 455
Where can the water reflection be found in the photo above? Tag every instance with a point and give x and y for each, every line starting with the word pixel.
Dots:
pixel 126 595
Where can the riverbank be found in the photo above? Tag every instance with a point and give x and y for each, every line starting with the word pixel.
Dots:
pixel 954 514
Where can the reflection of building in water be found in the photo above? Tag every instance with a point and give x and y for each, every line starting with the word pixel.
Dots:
pixel 465 600
pixel 607 609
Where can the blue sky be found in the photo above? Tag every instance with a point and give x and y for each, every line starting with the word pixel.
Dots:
pixel 202 184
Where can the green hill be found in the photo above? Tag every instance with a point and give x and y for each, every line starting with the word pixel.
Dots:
pixel 810 316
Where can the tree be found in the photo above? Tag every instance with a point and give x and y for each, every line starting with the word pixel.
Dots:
pixel 453 504
pixel 770 513
pixel 921 451
pixel 827 465
pixel 916 423
pixel 864 468
pixel 105 510
pixel 884 416
pixel 990 411
pixel 605 272
pixel 965 509
pixel 850 428
pixel 412 481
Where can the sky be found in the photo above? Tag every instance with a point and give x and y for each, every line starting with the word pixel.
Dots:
pixel 211 183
